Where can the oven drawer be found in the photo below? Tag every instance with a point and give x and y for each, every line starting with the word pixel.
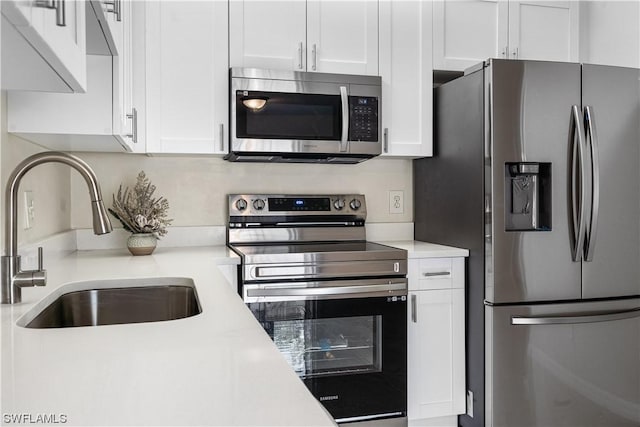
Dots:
pixel 326 270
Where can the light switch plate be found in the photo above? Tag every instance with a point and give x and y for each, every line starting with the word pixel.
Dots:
pixel 396 201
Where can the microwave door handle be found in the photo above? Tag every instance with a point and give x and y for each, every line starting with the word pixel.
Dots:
pixel 344 98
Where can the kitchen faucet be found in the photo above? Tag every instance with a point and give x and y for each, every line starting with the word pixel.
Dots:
pixel 13 279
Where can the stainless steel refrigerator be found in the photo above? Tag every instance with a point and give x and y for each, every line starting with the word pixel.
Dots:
pixel 536 170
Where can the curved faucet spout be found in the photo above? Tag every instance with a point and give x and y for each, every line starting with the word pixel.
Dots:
pixel 101 223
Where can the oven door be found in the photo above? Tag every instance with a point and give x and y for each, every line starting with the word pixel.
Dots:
pixel 350 350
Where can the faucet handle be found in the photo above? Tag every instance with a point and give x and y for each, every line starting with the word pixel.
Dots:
pixel 40 259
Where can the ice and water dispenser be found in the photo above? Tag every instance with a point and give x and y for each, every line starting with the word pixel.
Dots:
pixel 527 196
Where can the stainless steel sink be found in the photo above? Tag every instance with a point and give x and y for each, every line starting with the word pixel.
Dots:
pixel 118 305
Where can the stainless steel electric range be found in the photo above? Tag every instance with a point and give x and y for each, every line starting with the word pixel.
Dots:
pixel 334 304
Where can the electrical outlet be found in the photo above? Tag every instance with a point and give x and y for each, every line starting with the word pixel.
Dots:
pixel 470 403
pixel 29 210
pixel 396 201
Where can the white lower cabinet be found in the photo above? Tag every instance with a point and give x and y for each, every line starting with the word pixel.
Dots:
pixel 436 336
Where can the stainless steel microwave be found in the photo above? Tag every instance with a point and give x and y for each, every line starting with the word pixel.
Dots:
pixel 291 116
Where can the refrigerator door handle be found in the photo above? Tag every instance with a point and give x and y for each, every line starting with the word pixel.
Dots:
pixel 578 196
pixel 571 320
pixel 590 239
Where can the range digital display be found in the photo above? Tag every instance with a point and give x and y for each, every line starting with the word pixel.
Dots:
pixel 282 204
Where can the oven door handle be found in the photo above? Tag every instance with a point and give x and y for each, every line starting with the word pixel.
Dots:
pixel 327 292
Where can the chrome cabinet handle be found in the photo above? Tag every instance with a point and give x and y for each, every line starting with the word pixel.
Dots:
pixel 116 8
pixel 515 53
pixel 344 98
pixel 414 309
pixel 61 13
pixel 570 320
pixel 504 51
pixel 300 56
pixel 134 125
pixel 437 274
pixel 386 140
pixel 578 201
pixel 590 239
pixel 314 57
pixel 221 131
pixel 59 6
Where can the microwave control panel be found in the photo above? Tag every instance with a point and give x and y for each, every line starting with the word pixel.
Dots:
pixel 363 118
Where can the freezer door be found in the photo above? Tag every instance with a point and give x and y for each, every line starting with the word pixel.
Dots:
pixel 611 102
pixel 531 105
pixel 564 365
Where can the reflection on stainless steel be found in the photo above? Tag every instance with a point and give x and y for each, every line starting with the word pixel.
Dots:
pixel 111 306
pixel 13 277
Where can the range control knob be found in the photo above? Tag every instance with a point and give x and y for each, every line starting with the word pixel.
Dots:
pixel 258 204
pixel 339 204
pixel 355 204
pixel 241 204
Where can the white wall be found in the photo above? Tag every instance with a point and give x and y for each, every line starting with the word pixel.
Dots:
pixel 610 33
pixel 196 187
pixel 50 184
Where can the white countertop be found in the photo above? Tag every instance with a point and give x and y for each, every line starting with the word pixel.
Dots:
pixel 417 249
pixel 215 368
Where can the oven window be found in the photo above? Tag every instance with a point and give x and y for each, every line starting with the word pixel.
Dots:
pixel 333 346
pixel 289 116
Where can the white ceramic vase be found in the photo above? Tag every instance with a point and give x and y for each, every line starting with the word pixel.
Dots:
pixel 142 243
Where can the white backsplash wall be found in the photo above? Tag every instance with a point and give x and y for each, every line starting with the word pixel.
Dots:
pixel 50 184
pixel 196 187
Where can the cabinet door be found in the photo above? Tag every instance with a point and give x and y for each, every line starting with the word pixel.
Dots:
pixel 125 118
pixel 469 31
pixel 436 372
pixel 187 76
pixel 268 34
pixel 68 42
pixel 55 55
pixel 543 30
pixel 407 78
pixel 342 36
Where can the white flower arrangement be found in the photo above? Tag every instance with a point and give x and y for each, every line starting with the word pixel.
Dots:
pixel 138 211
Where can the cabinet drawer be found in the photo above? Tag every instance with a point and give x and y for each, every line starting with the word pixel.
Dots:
pixel 436 273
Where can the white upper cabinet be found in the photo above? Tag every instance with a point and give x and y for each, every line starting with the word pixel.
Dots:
pixel 315 35
pixel 101 119
pixel 407 78
pixel 544 30
pixel 187 76
pixel 49 42
pixel 342 36
pixel 281 45
pixel 610 33
pixel 469 31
